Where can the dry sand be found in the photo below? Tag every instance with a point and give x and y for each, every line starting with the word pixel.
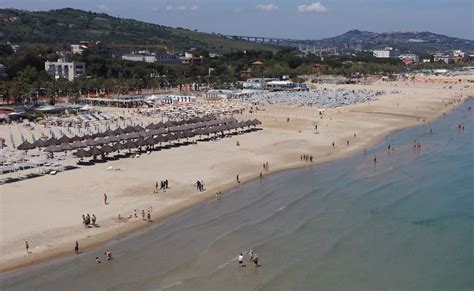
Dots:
pixel 47 211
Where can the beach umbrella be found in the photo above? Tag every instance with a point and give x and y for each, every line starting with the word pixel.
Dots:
pixel 129 129
pixel 130 144
pixel 90 142
pixel 39 143
pixel 100 141
pixel 106 149
pixel 256 122
pixel 118 146
pixel 78 144
pixel 150 141
pixel 150 126
pixel 51 141
pixel 112 138
pixel 25 146
pixel 65 147
pixel 64 139
pixel 139 128
pixel 52 149
pixel 81 153
pixel 94 151
pixel 118 131
pixel 124 136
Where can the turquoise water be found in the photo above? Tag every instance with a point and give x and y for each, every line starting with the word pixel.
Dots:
pixel 405 223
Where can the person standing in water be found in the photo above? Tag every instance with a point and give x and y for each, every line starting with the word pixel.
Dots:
pixel 76 248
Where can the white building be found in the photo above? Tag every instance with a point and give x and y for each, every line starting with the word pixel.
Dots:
pixel 386 53
pixel 174 99
pixel 65 70
pixel 414 59
pixel 140 58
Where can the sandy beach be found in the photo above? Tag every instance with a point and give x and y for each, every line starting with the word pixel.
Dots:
pixel 46 211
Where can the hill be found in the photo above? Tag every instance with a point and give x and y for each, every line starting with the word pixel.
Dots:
pixel 416 42
pixel 66 26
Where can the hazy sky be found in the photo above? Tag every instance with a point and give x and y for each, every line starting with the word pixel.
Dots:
pixel 311 19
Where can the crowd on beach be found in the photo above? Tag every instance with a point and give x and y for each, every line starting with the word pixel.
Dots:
pixel 325 98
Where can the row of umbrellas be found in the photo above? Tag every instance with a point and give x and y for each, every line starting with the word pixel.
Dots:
pixel 152 136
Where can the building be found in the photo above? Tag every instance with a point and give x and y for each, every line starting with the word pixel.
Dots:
pixel 386 53
pixel 446 58
pixel 168 59
pixel 65 70
pixel 409 59
pixel 175 99
pixel 91 46
pixel 257 83
pixel 140 57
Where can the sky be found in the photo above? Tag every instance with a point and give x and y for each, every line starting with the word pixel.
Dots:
pixel 295 19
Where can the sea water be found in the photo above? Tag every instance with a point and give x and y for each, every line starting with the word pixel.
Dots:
pixel 402 223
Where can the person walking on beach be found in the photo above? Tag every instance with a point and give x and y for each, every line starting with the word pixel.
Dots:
pixel 261 176
pixel 135 213
pixel 76 248
pixel 148 216
pixel 375 159
pixel 27 246
pixel 105 199
pixel 237 178
pixel 241 260
pixel 255 260
pixel 143 215
pixel 93 219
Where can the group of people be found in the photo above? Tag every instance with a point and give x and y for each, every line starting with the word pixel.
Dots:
pixel 253 258
pixel 108 256
pixel 306 158
pixel 265 166
pixel 89 220
pixel 145 216
pixel 200 185
pixel 163 185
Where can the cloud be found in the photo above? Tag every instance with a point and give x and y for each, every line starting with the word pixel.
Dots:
pixel 192 7
pixel 267 7
pixel 313 7
pixel 103 7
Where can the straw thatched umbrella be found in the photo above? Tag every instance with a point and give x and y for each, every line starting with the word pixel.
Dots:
pixel 106 149
pixel 94 151
pixel 90 142
pixel 81 153
pixel 39 143
pixel 64 139
pixel 52 149
pixel 65 147
pixel 26 146
pixel 78 144
pixel 130 144
pixel 51 141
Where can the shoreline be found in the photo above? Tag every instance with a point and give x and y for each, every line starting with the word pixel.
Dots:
pixel 129 229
